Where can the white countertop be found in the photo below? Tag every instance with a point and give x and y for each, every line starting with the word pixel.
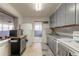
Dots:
pixel 5 47
pixel 4 41
pixel 69 42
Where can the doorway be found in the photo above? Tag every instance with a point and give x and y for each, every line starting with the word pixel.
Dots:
pixel 38 31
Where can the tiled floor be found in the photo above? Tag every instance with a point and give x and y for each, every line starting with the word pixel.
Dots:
pixel 46 50
pixel 38 49
pixel 34 50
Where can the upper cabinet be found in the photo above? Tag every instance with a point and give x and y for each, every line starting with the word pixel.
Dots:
pixel 70 13
pixel 66 14
pixel 50 20
pixel 53 20
pixel 61 15
pixel 77 13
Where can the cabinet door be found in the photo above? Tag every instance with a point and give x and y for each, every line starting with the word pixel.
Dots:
pixel 54 46
pixel 55 20
pixel 62 50
pixel 50 20
pixel 61 15
pixel 58 17
pixel 48 41
pixel 59 50
pixel 70 13
pixel 77 13
pixel 51 44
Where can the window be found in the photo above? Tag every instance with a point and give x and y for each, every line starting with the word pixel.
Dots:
pixel 38 26
pixel 5 27
pixel 0 27
pixel 38 29
pixel 10 27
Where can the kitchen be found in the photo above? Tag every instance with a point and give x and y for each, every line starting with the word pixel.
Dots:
pixel 56 28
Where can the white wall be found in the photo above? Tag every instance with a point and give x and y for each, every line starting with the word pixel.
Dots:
pixel 45 31
pixel 28 30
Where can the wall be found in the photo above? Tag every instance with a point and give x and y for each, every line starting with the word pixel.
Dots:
pixel 45 31
pixel 28 30
pixel 68 31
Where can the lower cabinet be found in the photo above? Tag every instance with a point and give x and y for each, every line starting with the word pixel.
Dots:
pixel 52 44
pixel 5 49
pixel 49 41
pixel 58 48
pixel 62 50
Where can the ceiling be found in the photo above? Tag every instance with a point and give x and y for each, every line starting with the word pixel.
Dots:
pixel 28 9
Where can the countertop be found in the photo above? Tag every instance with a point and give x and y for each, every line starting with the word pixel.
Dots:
pixel 22 36
pixel 4 41
pixel 69 42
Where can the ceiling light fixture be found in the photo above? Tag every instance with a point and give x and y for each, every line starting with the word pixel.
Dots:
pixel 38 6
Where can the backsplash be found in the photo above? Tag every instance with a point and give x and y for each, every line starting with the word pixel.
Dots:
pixel 68 31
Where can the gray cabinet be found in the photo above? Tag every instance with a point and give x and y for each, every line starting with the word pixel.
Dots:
pixel 67 14
pixel 55 20
pixel 62 50
pixel 52 44
pixel 48 41
pixel 61 15
pixel 58 17
pixel 70 13
pixel 59 50
pixel 77 13
pixel 53 47
pixel 52 22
